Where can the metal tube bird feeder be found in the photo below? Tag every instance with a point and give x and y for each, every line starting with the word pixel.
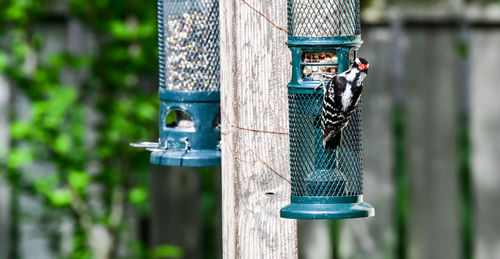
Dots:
pixel 188 39
pixel 323 36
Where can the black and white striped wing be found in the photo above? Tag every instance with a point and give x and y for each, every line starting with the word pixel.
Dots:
pixel 332 117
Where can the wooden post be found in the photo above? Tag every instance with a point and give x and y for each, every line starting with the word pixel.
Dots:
pixel 255 70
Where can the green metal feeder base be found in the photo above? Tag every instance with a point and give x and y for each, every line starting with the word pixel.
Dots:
pixel 192 158
pixel 327 208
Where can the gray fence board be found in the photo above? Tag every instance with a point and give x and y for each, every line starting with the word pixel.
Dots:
pixel 485 126
pixel 4 187
pixel 314 239
pixel 176 214
pixel 374 237
pixel 431 90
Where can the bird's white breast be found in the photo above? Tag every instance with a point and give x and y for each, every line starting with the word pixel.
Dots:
pixel 347 97
pixel 351 74
pixel 361 78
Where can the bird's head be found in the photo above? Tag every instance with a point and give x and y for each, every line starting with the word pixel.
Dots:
pixel 361 64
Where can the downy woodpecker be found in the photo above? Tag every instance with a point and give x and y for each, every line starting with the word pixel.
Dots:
pixel 341 96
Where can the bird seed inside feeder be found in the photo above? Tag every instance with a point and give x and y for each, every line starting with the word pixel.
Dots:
pixel 326 65
pixel 191 47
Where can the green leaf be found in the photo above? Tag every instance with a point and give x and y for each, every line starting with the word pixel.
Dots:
pixel 62 144
pixel 37 41
pixel 18 157
pixel 147 30
pixel 60 197
pixel 59 104
pixel 4 61
pixel 78 180
pixel 19 129
pixel 14 12
pixel 105 151
pixel 138 195
pixel 47 184
pixel 21 49
pixel 168 251
pixel 123 30
pixel 146 111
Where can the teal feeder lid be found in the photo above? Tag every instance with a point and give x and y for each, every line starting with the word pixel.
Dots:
pixel 188 40
pixel 323 38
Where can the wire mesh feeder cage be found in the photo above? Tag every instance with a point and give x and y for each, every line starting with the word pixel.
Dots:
pixel 188 39
pixel 323 36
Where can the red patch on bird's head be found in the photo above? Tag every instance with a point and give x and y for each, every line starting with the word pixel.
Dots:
pixel 362 66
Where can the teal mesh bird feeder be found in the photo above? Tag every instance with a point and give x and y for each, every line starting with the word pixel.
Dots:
pixel 323 36
pixel 188 39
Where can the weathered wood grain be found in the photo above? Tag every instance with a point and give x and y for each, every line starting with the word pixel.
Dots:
pixel 255 70
pixel 485 128
pixel 431 89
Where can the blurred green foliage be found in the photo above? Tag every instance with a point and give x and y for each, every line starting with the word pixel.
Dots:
pixel 80 128
pixel 167 251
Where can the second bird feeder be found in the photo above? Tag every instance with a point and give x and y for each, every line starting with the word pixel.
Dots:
pixel 188 42
pixel 323 37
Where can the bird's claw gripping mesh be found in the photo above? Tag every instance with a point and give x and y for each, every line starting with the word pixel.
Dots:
pixel 315 171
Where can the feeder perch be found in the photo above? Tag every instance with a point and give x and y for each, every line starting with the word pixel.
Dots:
pixel 188 38
pixel 323 37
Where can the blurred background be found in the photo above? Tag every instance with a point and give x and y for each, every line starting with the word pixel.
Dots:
pixel 78 82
